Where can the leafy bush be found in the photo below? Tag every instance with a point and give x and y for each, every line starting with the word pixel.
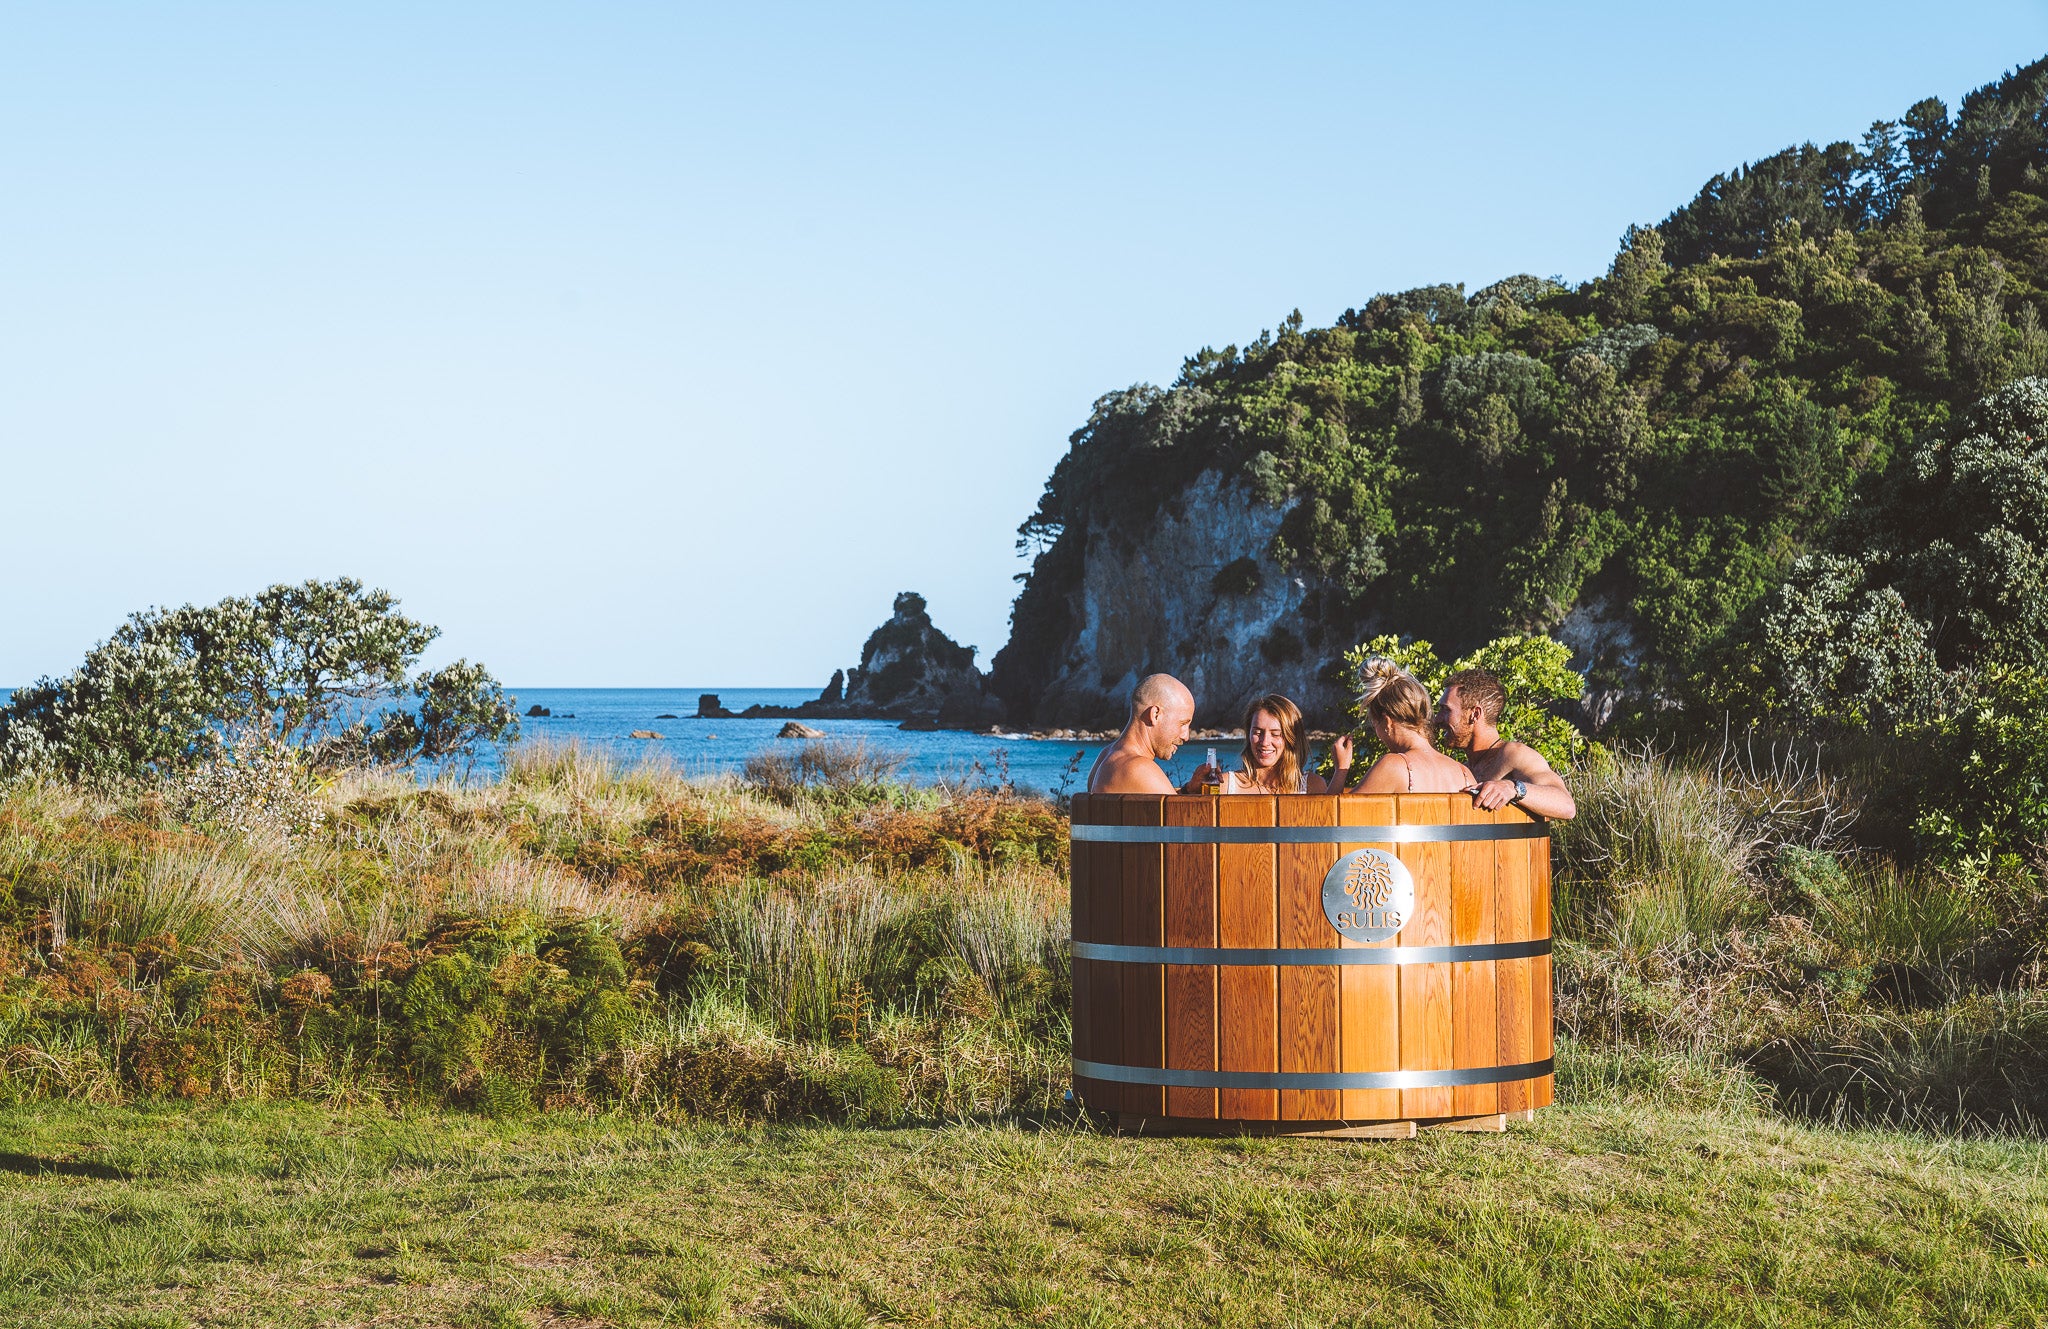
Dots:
pixel 256 783
pixel 1981 772
pixel 293 662
pixel 498 1005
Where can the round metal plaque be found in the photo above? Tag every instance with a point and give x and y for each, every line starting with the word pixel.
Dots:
pixel 1368 895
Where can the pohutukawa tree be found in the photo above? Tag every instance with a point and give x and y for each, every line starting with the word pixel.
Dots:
pixel 324 667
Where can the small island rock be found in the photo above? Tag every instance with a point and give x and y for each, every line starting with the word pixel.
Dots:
pixel 797 729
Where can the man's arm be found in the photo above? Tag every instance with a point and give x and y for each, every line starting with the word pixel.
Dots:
pixel 1547 796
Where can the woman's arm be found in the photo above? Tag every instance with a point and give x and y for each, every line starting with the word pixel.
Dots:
pixel 1340 773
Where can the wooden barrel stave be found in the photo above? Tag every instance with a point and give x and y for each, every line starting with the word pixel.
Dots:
pixel 1371 1006
pixel 1426 988
pixel 1474 1015
pixel 1307 993
pixel 1190 920
pixel 1247 995
pixel 1141 984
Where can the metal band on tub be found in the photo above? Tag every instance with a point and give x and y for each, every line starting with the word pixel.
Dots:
pixel 1306 834
pixel 1208 1079
pixel 1312 955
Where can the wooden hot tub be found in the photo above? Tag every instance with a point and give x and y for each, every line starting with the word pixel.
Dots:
pixel 1214 980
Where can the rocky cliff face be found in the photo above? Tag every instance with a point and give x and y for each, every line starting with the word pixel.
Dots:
pixel 909 669
pixel 1195 593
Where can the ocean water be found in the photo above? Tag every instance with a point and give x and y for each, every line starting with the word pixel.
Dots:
pixel 606 718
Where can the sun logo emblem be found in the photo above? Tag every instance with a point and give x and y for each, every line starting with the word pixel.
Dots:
pixel 1369 882
pixel 1368 895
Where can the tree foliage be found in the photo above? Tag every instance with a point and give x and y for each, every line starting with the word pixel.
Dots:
pixel 1668 438
pixel 323 667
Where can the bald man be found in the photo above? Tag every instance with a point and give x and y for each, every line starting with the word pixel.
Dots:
pixel 1161 710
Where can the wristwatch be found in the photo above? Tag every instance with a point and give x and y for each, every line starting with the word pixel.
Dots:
pixel 1521 791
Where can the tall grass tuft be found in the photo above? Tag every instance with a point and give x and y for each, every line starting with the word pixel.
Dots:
pixel 209 905
pixel 837 770
pixel 568 766
pixel 803 958
pixel 1668 855
pixel 1921 918
pixel 1657 855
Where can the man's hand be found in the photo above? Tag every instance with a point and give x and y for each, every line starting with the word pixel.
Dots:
pixel 1204 774
pixel 1493 795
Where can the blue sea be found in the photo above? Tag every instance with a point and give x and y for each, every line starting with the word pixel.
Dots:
pixel 606 718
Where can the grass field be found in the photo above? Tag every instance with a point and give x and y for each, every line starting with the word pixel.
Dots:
pixel 1603 1212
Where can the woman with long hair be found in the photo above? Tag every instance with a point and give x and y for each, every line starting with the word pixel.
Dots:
pixel 1399 709
pixel 1276 753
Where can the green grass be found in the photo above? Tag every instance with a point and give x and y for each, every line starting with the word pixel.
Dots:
pixel 1609 1212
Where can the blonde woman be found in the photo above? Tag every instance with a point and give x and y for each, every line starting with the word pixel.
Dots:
pixel 1276 753
pixel 1402 718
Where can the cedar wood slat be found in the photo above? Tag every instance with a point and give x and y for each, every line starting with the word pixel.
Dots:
pixel 1474 1036
pixel 1079 859
pixel 1106 924
pixel 1369 996
pixel 1308 993
pixel 1143 991
pixel 1246 995
pixel 1191 988
pixel 1511 889
pixel 1541 1015
pixel 1426 988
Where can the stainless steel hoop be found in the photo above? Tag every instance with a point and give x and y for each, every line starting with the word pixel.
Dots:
pixel 1087 834
pixel 1209 1079
pixel 1311 955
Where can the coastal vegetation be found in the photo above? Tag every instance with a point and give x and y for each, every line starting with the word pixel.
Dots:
pixel 318 672
pixel 817 941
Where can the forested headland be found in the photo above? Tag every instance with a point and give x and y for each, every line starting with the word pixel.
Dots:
pixel 1754 442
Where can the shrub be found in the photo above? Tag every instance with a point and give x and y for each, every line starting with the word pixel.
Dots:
pixel 506 1003
pixel 256 784
pixel 293 661
pixel 1979 1063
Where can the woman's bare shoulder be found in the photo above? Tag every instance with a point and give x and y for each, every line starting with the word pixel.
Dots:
pixel 1385 776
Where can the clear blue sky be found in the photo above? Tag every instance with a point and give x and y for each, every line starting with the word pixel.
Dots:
pixel 650 344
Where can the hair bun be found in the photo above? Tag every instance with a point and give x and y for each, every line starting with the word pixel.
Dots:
pixel 1376 673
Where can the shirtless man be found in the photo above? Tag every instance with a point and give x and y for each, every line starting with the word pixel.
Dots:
pixel 1508 772
pixel 1161 710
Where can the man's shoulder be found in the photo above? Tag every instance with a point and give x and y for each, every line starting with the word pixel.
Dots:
pixel 1125 771
pixel 1518 757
